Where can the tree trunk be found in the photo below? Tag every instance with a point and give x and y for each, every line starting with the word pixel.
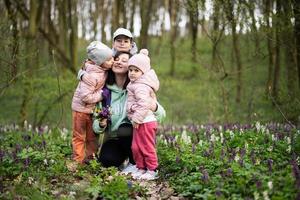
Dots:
pixel 104 11
pixel 12 14
pixel 288 40
pixel 133 6
pixel 173 12
pixel 115 15
pixel 146 9
pixel 193 9
pixel 73 33
pixel 236 48
pixel 214 35
pixel 296 6
pixel 269 30
pixel 277 49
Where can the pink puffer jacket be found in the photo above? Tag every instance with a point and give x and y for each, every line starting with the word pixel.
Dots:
pixel 86 96
pixel 141 95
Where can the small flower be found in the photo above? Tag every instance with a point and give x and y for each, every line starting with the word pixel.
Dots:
pixel 256 195
pixel 265 195
pixel 270 185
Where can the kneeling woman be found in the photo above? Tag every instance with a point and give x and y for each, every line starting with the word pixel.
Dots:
pixel 116 135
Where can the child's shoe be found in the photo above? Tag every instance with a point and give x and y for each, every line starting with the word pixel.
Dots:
pixel 130 168
pixel 138 173
pixel 149 175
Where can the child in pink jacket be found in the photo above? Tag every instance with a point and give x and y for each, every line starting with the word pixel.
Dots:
pixel 141 95
pixel 99 60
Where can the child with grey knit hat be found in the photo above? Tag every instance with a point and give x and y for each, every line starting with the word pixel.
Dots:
pixel 86 96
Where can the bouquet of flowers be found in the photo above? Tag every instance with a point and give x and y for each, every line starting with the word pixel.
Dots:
pixel 102 113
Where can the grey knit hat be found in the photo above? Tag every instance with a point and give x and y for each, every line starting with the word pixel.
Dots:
pixel 98 52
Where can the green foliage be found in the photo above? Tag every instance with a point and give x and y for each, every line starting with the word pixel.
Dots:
pixel 228 164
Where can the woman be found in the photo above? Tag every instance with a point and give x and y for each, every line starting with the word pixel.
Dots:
pixel 116 136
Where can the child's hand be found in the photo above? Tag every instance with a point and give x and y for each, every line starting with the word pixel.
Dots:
pixel 103 122
pixel 135 125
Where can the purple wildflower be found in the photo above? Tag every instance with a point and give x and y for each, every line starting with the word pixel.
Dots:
pixel 229 172
pixel 218 193
pixel 258 184
pixel 177 159
pixel 26 162
pixel 296 172
pixel 26 137
pixel 270 164
pixel 205 176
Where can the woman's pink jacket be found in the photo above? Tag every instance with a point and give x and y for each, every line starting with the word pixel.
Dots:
pixel 87 95
pixel 141 95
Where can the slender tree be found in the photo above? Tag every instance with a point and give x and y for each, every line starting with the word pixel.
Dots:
pixel 173 8
pixel 268 4
pixel 277 49
pixel 289 41
pixel 145 13
pixel 229 10
pixel 296 6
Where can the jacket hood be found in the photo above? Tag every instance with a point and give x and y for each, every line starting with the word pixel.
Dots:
pixel 150 79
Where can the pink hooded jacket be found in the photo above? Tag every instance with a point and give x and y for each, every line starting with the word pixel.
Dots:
pixel 86 96
pixel 141 95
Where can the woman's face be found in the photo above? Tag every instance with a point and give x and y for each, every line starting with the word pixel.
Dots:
pixel 120 65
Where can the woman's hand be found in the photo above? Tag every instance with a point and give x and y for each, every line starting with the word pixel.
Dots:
pixel 103 123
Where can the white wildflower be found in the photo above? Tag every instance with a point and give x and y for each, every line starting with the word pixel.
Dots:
pixel 52 161
pixel 270 148
pixel 237 158
pixel 256 195
pixel 289 149
pixel 246 146
pixel 30 180
pixel 222 137
pixel 29 127
pixel 72 194
pixel 185 138
pixel 273 137
pixel 270 185
pixel 220 128
pixel 257 161
pixel 288 140
pixel 266 196
pixel 257 126
pixel 200 143
pixel 45 161
pixel 212 138
pixel 231 134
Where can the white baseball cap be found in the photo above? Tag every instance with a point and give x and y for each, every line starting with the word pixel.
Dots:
pixel 122 31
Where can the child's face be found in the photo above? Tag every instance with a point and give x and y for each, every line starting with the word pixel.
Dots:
pixel 108 63
pixel 122 43
pixel 134 73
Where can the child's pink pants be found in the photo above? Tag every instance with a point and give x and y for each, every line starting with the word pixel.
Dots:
pixel 143 146
pixel 84 141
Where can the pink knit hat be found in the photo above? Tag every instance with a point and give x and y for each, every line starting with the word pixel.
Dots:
pixel 141 60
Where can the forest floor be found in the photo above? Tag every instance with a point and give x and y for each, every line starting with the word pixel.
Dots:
pixel 155 190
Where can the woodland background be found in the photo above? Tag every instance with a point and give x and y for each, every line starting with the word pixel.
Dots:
pixel 218 61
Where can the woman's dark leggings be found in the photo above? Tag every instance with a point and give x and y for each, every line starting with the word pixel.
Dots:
pixel 115 151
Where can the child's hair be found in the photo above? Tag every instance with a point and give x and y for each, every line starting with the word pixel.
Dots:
pixel 111 79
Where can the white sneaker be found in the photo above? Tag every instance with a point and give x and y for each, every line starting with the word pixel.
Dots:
pixel 149 175
pixel 138 173
pixel 130 168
